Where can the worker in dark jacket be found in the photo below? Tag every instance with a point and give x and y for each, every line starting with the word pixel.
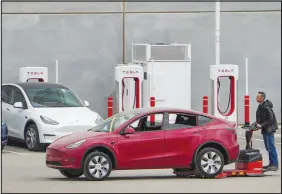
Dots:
pixel 266 120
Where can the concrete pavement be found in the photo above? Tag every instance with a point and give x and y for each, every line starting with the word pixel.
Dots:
pixel 25 172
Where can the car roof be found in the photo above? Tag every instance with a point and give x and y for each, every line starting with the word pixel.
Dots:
pixel 163 109
pixel 27 85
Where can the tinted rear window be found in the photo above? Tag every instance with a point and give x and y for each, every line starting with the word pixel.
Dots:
pixel 202 120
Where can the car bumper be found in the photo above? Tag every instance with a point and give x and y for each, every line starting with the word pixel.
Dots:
pixel 49 133
pixel 233 153
pixel 64 159
pixel 4 135
pixel 4 142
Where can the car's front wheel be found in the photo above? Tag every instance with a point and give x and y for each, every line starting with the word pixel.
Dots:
pixel 209 163
pixel 71 173
pixel 32 138
pixel 97 166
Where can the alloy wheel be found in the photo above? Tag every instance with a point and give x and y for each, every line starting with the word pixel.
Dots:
pixel 99 166
pixel 211 162
pixel 31 137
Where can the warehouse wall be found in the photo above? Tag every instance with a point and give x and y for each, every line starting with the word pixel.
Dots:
pixel 89 39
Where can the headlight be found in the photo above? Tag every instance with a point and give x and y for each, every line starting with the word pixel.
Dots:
pixel 99 119
pixel 48 120
pixel 76 144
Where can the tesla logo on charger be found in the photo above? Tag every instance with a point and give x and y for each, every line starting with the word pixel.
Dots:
pixel 35 73
pixel 130 72
pixel 225 70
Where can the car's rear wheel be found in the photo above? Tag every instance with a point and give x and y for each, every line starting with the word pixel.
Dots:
pixel 209 163
pixel 97 166
pixel 71 173
pixel 32 138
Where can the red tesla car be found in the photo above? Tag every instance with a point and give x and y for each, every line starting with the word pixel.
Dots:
pixel 147 138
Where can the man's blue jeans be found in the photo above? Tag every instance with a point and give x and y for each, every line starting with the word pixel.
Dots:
pixel 270 147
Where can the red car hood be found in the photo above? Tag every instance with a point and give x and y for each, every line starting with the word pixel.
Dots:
pixel 74 137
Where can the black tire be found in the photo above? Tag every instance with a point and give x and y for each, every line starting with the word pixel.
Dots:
pixel 200 172
pixel 36 146
pixel 181 176
pixel 102 165
pixel 71 173
pixel 183 173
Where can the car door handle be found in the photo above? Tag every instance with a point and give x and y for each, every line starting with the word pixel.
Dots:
pixel 197 132
pixel 8 109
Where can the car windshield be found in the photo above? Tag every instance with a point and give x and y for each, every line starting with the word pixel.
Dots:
pixel 44 96
pixel 112 123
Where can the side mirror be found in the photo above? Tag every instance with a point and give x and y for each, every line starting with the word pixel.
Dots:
pixel 18 105
pixel 128 130
pixel 86 103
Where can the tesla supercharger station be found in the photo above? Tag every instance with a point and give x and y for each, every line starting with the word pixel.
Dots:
pixel 129 80
pixel 225 71
pixel 33 74
pixel 162 71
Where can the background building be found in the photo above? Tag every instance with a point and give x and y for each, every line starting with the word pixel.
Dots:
pixel 90 38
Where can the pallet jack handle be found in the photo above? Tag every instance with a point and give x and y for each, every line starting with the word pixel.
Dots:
pixel 249 133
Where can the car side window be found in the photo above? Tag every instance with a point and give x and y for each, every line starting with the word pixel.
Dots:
pixel 179 121
pixel 18 96
pixel 135 124
pixel 202 120
pixel 152 122
pixel 6 93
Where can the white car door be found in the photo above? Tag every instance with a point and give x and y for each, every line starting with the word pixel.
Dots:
pixel 18 115
pixel 6 108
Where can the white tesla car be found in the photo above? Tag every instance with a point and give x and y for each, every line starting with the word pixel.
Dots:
pixel 39 113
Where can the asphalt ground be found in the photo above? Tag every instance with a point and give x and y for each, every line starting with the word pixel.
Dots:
pixel 25 172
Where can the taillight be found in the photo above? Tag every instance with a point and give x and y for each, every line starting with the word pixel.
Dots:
pixel 232 130
pixel 235 135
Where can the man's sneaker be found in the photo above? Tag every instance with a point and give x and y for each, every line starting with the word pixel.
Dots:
pixel 265 167
pixel 273 168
